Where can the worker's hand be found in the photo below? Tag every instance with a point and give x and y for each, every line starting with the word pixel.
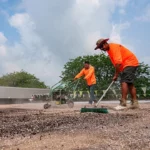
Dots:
pixel 74 79
pixel 115 77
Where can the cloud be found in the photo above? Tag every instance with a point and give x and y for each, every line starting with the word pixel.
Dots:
pixel 55 31
pixel 117 29
pixel 3 1
pixel 2 50
pixel 66 31
pixel 116 35
pixel 4 13
pixel 3 39
pixel 10 67
pixel 122 3
pixel 146 15
pixel 31 54
pixel 122 11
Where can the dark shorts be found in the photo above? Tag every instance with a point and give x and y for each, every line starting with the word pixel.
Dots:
pixel 128 74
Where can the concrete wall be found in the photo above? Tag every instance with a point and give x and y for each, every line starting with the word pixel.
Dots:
pixel 15 92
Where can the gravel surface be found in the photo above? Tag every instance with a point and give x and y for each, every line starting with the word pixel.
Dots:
pixel 67 129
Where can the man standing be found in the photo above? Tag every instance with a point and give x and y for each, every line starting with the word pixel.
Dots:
pixel 125 63
pixel 89 72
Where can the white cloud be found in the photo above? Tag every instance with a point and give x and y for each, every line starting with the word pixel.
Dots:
pixel 90 42
pixel 88 2
pixel 20 20
pixel 10 67
pixel 3 39
pixel 115 35
pixel 122 3
pixel 92 18
pixel 4 13
pixel 146 15
pixel 3 50
pixel 30 54
pixel 26 27
pixel 122 11
pixel 84 10
pixel 55 31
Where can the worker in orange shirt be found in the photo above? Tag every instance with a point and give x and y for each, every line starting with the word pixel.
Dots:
pixel 125 63
pixel 89 72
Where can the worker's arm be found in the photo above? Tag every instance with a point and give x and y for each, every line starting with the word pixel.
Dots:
pixel 117 62
pixel 91 71
pixel 117 71
pixel 80 74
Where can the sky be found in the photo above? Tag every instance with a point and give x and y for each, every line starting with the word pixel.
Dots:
pixel 40 36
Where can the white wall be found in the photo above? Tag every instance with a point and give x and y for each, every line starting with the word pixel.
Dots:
pixel 14 92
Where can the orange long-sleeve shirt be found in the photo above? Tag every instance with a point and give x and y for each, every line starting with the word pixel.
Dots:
pixel 89 75
pixel 120 55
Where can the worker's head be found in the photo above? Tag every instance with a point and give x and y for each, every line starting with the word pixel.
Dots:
pixel 86 64
pixel 102 45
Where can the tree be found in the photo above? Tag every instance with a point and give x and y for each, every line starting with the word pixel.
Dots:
pixel 143 80
pixel 103 68
pixel 21 79
pixel 104 73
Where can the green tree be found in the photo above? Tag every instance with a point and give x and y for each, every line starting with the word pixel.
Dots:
pixel 21 79
pixel 104 73
pixel 103 68
pixel 143 80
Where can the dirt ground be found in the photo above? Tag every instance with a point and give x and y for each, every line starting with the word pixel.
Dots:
pixel 61 128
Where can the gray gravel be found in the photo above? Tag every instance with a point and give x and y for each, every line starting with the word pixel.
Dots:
pixel 125 130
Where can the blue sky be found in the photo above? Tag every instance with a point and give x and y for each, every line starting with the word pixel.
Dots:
pixel 41 36
pixel 8 8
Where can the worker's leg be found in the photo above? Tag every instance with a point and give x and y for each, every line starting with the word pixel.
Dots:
pixel 124 92
pixel 124 86
pixel 134 101
pixel 128 77
pixel 92 97
pixel 132 91
pixel 90 101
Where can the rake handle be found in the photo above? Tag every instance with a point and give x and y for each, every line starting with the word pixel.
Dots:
pixel 104 93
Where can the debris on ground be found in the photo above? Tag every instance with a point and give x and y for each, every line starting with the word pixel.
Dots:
pixel 128 130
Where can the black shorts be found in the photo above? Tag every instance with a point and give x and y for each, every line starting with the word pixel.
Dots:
pixel 128 74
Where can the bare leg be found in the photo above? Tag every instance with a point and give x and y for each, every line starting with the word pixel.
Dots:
pixel 124 89
pixel 134 101
pixel 132 91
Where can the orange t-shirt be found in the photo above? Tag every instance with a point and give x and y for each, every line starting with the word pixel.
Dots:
pixel 120 55
pixel 89 75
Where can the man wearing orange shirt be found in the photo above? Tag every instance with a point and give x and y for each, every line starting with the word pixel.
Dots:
pixel 125 63
pixel 89 72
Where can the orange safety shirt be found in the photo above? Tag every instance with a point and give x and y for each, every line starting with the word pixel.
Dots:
pixel 89 75
pixel 120 55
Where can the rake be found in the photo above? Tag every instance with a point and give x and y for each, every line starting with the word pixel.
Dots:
pixel 95 109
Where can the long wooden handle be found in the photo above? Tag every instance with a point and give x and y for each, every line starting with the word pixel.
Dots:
pixel 104 93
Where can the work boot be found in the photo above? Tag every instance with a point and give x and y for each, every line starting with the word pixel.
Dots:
pixel 134 104
pixel 123 102
pixel 90 102
pixel 122 105
pixel 94 101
